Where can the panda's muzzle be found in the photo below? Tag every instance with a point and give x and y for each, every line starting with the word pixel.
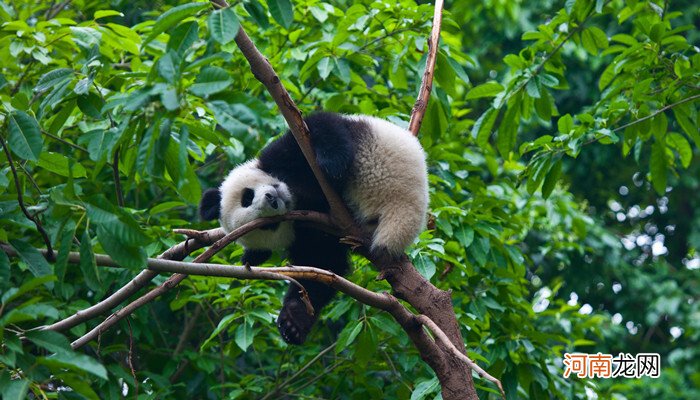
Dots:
pixel 272 200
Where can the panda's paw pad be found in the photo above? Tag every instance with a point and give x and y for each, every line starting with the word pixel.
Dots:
pixel 294 323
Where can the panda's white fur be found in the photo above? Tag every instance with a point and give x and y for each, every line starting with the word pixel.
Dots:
pixel 387 191
pixel 389 182
pixel 233 214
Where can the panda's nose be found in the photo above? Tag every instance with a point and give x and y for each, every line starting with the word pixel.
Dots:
pixel 271 199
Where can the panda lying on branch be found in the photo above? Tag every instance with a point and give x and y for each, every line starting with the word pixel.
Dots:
pixel 377 168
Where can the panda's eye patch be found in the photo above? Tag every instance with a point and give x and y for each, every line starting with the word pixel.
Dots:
pixel 247 198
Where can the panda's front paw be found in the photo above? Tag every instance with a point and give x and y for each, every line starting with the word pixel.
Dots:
pixel 294 322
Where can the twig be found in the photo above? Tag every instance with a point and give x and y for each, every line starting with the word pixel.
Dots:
pixel 427 83
pixel 301 370
pixel 20 200
pixel 130 359
pixel 189 325
pixel 175 279
pixel 657 112
pixel 440 335
pixel 64 141
pixel 177 252
pixel 56 9
pixel 27 69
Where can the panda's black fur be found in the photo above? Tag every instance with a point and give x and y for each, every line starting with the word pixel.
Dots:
pixel 345 148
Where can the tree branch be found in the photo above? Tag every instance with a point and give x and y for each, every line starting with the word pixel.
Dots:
pixel 455 377
pixel 657 112
pixel 20 200
pixel 177 252
pixel 427 83
pixel 175 279
pixel 263 72
pixel 440 335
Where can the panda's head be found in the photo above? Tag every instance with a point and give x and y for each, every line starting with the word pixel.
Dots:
pixel 247 193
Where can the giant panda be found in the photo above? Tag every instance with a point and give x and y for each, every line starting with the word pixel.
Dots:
pixel 378 169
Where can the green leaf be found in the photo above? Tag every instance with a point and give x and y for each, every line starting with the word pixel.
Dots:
pixel 481 131
pixel 182 173
pixel 61 165
pixel 325 67
pixel 99 143
pixel 26 287
pixel 49 340
pixel 211 80
pixel 223 25
pixel 538 171
pixel 172 17
pixel 169 67
pixel 657 166
pixel 183 37
pixel 679 142
pixel 424 264
pixel 508 131
pixel 348 335
pixel 488 89
pixel 106 13
pixel 258 13
pixel 684 119
pixel 235 118
pixel 550 181
pixel 543 106
pixel 53 78
pixel 223 324
pixel 565 124
pixel 76 362
pixel 4 269
pixel 533 88
pixel 464 234
pixel 425 388
pixel 593 39
pixel 83 86
pixel 244 336
pixel 15 390
pixel 281 11
pixel 609 73
pixel 87 263
pixel 125 254
pixel 35 261
pixel 25 136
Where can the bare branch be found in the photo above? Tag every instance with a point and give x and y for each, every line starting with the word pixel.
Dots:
pixel 175 279
pixel 440 335
pixel 20 200
pixel 427 83
pixel 177 252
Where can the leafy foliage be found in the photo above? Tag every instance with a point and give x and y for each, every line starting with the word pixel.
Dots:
pixel 563 167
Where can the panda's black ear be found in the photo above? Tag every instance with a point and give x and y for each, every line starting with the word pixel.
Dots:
pixel 210 205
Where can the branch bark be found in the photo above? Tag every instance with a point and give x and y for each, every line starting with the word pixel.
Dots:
pixel 427 82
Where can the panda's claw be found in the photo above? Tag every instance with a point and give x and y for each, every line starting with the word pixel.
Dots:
pixel 354 242
pixel 294 323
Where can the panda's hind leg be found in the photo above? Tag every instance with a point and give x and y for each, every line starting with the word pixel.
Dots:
pixel 312 249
